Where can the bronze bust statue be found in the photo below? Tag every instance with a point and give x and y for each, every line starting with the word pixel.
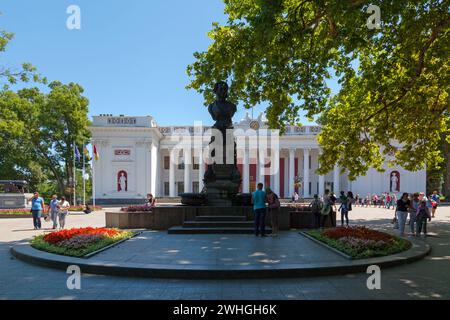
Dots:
pixel 222 180
pixel 221 110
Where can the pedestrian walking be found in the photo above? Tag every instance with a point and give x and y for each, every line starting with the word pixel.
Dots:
pixel 53 210
pixel 388 201
pixel 63 211
pixel 435 201
pixel 37 207
pixel 401 212
pixel 423 214
pixel 259 210
pixel 343 208
pixel 316 207
pixel 327 210
pixel 415 202
pixel 273 202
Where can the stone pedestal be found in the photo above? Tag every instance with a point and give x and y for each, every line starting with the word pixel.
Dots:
pixel 222 183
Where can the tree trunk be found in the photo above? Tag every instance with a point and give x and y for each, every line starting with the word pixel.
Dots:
pixel 447 170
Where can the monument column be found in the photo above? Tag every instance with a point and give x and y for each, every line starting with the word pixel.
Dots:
pixel 187 169
pixel 172 175
pixel 336 176
pixel 306 173
pixel 246 172
pixel 291 187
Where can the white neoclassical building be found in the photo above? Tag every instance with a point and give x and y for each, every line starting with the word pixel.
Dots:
pixel 137 157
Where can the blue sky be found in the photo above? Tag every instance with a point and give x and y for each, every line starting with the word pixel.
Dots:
pixel 130 56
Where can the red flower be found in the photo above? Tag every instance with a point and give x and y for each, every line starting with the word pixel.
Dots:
pixel 358 232
pixel 57 236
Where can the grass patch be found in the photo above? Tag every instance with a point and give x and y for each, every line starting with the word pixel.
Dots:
pixel 39 243
pixel 394 246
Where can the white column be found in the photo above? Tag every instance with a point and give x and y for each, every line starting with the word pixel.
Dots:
pixel 246 172
pixel 291 187
pixel 321 179
pixel 276 167
pixel 201 170
pixel 172 175
pixel 153 168
pixel 187 170
pixel 306 173
pixel 260 170
pixel 336 176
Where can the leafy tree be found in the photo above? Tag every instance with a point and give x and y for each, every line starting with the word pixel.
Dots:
pixel 394 82
pixel 39 131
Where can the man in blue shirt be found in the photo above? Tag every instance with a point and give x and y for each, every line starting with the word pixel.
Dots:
pixel 37 207
pixel 259 209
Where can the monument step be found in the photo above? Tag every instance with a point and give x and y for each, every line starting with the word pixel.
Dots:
pixel 218 224
pixel 220 218
pixel 181 230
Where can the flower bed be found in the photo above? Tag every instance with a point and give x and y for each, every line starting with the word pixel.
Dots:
pixel 361 242
pixel 81 208
pixel 79 241
pixel 141 208
pixel 26 211
pixel 19 211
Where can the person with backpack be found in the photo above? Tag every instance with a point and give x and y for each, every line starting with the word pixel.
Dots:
pixel 274 209
pixel 423 214
pixel 316 206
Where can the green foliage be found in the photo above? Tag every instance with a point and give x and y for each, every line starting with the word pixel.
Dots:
pixel 26 73
pixel 39 243
pixel 394 81
pixel 37 134
pixel 397 246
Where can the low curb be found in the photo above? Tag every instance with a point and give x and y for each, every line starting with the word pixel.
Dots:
pixel 28 254
pixel 15 216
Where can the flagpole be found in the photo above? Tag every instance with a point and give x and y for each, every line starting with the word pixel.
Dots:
pixel 74 177
pixel 93 181
pixel 84 174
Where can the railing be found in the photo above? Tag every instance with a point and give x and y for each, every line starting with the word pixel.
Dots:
pixel 290 130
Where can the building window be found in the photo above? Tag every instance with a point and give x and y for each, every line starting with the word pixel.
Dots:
pixel 309 162
pixel 180 186
pixel 195 165
pixel 309 188
pixel 166 163
pixel 195 186
pixel 166 189
pixel 181 166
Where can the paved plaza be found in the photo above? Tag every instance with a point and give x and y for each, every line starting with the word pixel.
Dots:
pixel 425 279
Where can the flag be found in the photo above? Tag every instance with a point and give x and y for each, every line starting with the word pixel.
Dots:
pixel 77 154
pixel 86 153
pixel 96 155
